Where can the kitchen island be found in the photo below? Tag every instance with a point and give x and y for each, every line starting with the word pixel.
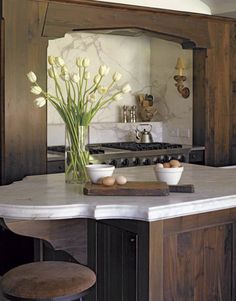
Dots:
pixel 176 247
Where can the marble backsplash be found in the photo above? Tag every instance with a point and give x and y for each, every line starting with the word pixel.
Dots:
pixel 118 132
pixel 148 64
pixel 129 56
pixel 103 132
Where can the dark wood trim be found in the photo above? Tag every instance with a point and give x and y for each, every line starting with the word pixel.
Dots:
pixel 2 99
pixel 156 261
pixel 144 8
pixel 199 95
pixel 62 18
pixel 233 99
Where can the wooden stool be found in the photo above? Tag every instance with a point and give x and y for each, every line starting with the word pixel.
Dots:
pixel 47 281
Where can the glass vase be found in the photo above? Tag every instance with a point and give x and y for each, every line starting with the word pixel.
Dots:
pixel 76 155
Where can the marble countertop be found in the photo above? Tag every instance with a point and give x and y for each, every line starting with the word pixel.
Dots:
pixel 48 197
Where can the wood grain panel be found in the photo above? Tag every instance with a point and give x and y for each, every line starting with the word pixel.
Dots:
pixel 24 142
pixel 117 264
pixel 2 95
pixel 199 96
pixel 218 96
pixel 233 99
pixel 66 235
pixel 64 17
pixel 198 265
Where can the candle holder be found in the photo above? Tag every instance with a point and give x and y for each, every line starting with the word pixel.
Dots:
pixel 184 91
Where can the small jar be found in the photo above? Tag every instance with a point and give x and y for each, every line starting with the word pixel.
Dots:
pixel 124 114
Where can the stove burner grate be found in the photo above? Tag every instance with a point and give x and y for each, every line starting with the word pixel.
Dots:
pixel 133 146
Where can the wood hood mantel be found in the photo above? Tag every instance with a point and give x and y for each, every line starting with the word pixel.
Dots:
pixel 26 26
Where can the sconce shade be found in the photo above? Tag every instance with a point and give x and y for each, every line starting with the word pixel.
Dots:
pixel 180 64
pixel 180 79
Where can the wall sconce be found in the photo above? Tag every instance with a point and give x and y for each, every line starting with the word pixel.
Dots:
pixel 180 79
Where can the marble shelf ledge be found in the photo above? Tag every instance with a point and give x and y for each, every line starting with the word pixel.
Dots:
pixel 47 197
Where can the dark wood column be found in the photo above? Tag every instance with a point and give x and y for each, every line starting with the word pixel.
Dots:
pixel 23 126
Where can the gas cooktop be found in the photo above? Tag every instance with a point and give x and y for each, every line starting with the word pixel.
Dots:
pixel 133 146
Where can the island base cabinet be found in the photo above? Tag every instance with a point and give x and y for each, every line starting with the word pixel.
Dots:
pixel 118 269
pixel 198 264
pixel 188 258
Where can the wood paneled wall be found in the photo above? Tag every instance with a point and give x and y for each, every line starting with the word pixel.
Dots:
pixel 27 24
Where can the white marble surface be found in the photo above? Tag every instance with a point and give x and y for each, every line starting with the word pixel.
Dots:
pixel 147 63
pixel 48 197
pixel 120 132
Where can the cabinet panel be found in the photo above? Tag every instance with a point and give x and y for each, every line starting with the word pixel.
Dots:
pixel 198 264
pixel 117 264
pixel 23 127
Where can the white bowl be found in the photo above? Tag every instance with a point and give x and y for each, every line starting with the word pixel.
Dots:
pixel 98 171
pixel 169 175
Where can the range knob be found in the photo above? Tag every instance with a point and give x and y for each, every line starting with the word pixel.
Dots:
pixel 161 159
pixel 135 161
pixel 146 161
pixel 179 157
pixel 155 160
pixel 113 162
pixel 124 162
pixel 168 158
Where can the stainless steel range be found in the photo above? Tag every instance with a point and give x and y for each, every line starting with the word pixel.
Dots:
pixel 124 154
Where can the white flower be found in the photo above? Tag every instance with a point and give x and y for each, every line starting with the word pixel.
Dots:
pixel 107 71
pixel 91 97
pixel 51 60
pixel 87 75
pixel 79 61
pixel 118 96
pixel 96 79
pixel 85 62
pixel 116 76
pixel 102 90
pixel 36 90
pixel 59 61
pixel 64 70
pixel 65 76
pixel 40 102
pixel 102 70
pixel 52 73
pixel 126 88
pixel 32 77
pixel 75 78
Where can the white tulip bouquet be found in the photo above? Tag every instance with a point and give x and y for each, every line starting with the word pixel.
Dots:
pixel 78 106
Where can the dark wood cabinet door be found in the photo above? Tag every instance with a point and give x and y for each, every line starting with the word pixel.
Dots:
pixel 199 265
pixel 117 264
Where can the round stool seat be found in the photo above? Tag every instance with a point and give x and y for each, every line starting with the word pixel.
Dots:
pixel 46 280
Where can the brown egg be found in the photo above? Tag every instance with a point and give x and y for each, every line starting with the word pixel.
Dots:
pixel 121 180
pixel 108 181
pixel 175 163
pixel 166 165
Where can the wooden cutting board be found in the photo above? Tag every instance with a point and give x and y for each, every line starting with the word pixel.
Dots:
pixel 136 189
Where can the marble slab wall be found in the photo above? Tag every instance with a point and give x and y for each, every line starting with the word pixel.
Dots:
pixel 130 56
pixel 148 65
pixel 117 132
pixel 173 110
